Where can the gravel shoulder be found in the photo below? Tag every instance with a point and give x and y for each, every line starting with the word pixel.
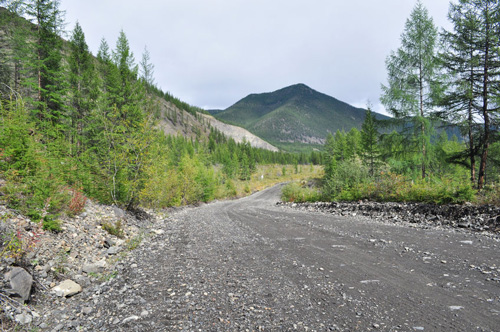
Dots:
pixel 250 265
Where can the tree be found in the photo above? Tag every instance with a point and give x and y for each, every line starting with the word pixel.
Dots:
pixel 147 69
pixel 81 82
pixel 369 140
pixel 49 82
pixel 131 91
pixel 488 76
pixel 460 61
pixel 330 161
pixel 411 76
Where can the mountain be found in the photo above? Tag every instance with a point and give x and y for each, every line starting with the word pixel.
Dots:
pixel 293 115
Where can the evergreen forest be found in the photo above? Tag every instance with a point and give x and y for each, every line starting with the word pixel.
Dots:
pixel 76 125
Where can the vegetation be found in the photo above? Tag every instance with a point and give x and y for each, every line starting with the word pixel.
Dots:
pixel 459 84
pixel 295 114
pixel 74 126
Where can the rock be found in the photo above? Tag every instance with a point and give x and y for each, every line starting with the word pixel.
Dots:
pixel 87 310
pixel 119 213
pixel 108 243
pixel 129 319
pixel 24 318
pixel 113 250
pixel 20 282
pixel 67 288
pixel 95 267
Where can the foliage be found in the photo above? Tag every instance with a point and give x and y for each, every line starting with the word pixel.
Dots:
pixel 18 244
pixel 411 73
pixel 51 223
pixel 115 229
pixel 295 192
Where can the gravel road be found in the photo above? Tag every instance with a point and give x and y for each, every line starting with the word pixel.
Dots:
pixel 249 265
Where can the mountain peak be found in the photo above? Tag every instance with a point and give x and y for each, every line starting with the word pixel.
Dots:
pixel 294 114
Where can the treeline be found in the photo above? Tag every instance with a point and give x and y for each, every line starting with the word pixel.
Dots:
pixel 437 82
pixel 72 123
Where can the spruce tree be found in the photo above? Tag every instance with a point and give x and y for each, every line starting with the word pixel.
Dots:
pixel 46 64
pixel 411 73
pixel 81 82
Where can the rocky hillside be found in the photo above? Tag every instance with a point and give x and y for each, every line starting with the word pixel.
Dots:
pixel 176 121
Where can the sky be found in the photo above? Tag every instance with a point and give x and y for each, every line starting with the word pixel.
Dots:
pixel 212 53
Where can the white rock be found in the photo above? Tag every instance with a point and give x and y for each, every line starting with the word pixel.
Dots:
pixel 67 288
pixel 129 319
pixel 23 319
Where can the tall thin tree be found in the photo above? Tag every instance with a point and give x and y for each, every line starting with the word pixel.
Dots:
pixel 411 73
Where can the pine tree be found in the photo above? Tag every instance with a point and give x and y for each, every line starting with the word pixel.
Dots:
pixel 411 73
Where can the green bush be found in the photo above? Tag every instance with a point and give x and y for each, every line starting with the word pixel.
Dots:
pixel 294 192
pixel 116 229
pixel 51 224
pixel 392 187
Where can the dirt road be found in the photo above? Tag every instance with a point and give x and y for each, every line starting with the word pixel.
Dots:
pixel 249 265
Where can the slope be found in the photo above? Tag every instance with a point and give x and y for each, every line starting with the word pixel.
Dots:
pixel 295 114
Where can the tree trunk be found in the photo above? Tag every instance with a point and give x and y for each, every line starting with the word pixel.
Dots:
pixel 422 126
pixel 486 116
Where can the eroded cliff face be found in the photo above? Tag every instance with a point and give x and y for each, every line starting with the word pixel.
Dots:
pixel 239 134
pixel 174 121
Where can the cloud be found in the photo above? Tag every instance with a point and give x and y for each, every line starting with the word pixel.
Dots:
pixel 213 53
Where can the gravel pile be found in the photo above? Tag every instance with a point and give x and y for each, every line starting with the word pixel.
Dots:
pixel 38 287
pixel 468 216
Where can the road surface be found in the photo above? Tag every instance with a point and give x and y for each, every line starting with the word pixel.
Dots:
pixel 249 265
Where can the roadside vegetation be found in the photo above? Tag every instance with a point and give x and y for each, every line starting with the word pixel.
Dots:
pixel 74 126
pixel 442 144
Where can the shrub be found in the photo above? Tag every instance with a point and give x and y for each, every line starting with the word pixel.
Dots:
pixel 116 229
pixel 51 224
pixel 294 192
pixel 77 203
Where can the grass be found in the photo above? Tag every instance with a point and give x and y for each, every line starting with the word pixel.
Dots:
pixel 267 176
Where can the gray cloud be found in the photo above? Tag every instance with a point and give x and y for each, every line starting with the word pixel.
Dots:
pixel 211 53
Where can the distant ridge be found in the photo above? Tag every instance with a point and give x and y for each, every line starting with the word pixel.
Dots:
pixel 295 114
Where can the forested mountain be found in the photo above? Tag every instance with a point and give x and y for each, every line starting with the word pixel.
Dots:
pixel 295 114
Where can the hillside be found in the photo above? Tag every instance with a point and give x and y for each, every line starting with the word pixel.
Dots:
pixel 177 121
pixel 295 114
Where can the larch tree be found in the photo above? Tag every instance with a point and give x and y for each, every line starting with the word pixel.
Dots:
pixel 461 63
pixel 488 76
pixel 369 141
pixel 411 77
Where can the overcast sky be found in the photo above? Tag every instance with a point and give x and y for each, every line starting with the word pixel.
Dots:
pixel 212 53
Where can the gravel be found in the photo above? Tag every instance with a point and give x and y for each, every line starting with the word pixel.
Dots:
pixel 259 265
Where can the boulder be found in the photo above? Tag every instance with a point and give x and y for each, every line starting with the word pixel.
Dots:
pixel 67 288
pixel 96 267
pixel 20 282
